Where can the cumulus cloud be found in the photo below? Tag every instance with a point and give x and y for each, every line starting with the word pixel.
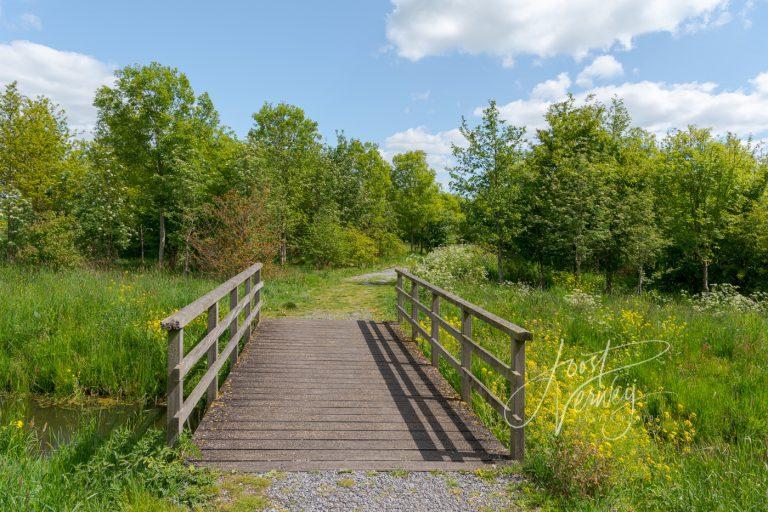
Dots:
pixel 659 106
pixel 437 146
pixel 603 67
pixel 655 106
pixel 506 28
pixel 68 78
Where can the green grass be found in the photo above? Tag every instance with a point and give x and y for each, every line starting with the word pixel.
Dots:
pixel 715 375
pixel 125 470
pixel 80 333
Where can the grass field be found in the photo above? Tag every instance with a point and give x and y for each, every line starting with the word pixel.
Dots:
pixel 684 431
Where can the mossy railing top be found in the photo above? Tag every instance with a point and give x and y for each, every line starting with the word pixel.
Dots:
pixel 514 373
pixel 179 364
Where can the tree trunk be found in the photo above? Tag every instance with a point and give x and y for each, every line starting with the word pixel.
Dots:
pixel 9 233
pixel 499 255
pixel 141 238
pixel 161 248
pixel 186 256
pixel 608 281
pixel 640 278
pixel 705 276
pixel 283 250
pixel 577 265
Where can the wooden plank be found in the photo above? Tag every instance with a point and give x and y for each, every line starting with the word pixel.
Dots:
pixel 368 401
pixel 494 320
pixel 188 313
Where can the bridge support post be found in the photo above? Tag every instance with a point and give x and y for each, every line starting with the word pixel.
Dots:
pixel 435 334
pixel 466 355
pixel 175 385
pixel 213 354
pixel 256 296
pixel 233 326
pixel 400 298
pixel 517 431
pixel 247 334
pixel 414 309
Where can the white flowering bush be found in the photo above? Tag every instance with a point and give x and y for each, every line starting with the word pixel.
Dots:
pixel 582 299
pixel 726 297
pixel 448 265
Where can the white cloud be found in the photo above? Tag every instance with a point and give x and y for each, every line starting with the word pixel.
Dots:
pixel 603 67
pixel 68 78
pixel 420 96
pixel 659 106
pixel 30 21
pixel 437 146
pixel 506 28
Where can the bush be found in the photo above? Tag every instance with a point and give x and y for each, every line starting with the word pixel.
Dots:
pixel 329 244
pixel 50 241
pixel 389 245
pixel 447 265
pixel 235 232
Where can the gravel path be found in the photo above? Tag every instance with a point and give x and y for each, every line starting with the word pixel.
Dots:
pixel 387 276
pixel 383 491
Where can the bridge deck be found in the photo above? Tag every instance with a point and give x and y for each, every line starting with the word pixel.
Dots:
pixel 337 394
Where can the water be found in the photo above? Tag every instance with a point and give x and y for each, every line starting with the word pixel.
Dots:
pixel 57 425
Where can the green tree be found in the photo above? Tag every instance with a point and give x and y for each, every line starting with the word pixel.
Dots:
pixel 285 157
pixel 566 194
pixel 488 173
pixel 152 122
pixel 35 151
pixel 415 195
pixel 701 185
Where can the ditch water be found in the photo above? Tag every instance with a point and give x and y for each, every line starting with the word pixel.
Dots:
pixel 57 425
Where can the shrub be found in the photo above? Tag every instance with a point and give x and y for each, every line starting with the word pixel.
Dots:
pixel 329 244
pixel 389 245
pixel 234 232
pixel 50 241
pixel 447 265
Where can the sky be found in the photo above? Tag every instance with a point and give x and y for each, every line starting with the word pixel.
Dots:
pixel 402 73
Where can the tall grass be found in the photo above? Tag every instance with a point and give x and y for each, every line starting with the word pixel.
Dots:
pixel 128 469
pixel 75 333
pixel 698 436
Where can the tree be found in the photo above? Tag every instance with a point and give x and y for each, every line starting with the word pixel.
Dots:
pixel 415 194
pixel 361 183
pixel 566 192
pixel 285 157
pixel 487 173
pixel 702 183
pixel 152 122
pixel 35 149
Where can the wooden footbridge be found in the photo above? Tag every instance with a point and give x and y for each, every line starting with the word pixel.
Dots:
pixel 337 394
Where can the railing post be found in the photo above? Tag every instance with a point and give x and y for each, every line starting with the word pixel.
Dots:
pixel 400 298
pixel 175 384
pixel 257 295
pixel 233 325
pixel 435 334
pixel 466 355
pixel 247 334
pixel 414 309
pixel 517 431
pixel 213 353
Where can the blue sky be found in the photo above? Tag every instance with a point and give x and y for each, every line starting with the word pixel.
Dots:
pixel 401 73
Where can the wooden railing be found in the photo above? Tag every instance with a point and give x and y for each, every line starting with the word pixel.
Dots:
pixel 180 364
pixel 514 373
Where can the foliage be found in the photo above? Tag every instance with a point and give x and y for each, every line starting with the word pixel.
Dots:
pixel 488 172
pixel 50 241
pixel 328 243
pixel 234 232
pixel 94 473
pixel 415 195
pixel 453 264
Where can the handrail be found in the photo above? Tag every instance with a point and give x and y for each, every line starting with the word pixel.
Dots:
pixel 180 364
pixel 514 373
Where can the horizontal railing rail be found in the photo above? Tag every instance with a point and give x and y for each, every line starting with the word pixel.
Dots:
pixel 180 364
pixel 514 412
